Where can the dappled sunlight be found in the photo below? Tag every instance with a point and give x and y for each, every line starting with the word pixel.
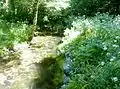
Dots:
pixel 59 44
pixel 58 4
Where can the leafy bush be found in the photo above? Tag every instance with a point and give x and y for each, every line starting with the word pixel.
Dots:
pixel 95 54
pixel 12 33
pixel 25 10
pixel 90 7
pixel 21 11
pixel 57 18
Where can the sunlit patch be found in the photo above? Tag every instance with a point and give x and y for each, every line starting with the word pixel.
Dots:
pixel 58 4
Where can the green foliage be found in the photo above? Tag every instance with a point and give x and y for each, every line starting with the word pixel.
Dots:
pixel 90 7
pixel 57 21
pixel 12 33
pixel 24 10
pixel 96 54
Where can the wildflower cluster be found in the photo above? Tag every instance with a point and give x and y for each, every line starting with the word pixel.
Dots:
pixel 95 54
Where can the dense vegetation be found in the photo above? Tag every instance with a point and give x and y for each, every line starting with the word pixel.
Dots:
pixel 13 33
pixel 94 55
pixel 90 7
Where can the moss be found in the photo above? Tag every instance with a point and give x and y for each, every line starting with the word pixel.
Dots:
pixel 58 75
pixel 52 73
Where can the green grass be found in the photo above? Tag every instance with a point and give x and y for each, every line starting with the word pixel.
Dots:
pixel 12 33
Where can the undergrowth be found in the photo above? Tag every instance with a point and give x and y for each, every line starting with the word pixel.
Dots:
pixel 95 54
pixel 12 33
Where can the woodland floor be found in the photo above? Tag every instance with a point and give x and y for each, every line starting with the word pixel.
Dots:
pixel 21 69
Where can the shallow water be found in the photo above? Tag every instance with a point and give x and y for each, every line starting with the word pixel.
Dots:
pixel 30 64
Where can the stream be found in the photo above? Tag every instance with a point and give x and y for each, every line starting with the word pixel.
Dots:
pixel 32 66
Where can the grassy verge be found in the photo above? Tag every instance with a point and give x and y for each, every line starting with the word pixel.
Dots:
pixel 12 33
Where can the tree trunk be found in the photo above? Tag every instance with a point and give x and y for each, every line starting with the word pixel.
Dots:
pixel 36 17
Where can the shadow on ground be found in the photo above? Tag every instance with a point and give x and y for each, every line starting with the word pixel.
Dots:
pixel 50 73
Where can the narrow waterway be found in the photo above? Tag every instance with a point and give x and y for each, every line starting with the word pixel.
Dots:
pixel 30 64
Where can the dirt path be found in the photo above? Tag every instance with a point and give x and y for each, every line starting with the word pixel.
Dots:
pixel 20 74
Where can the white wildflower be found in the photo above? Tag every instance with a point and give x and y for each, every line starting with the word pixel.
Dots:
pixel 92 76
pixel 115 40
pixel 113 58
pixel 117 37
pixel 115 79
pixel 104 47
pixel 115 46
pixel 118 52
pixel 108 54
pixel 102 63
pixel 74 33
pixel 66 32
pixel 70 34
pixel 46 18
